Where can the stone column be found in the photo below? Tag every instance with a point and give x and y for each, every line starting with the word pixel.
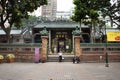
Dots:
pixel 77 46
pixel 49 39
pixel 44 48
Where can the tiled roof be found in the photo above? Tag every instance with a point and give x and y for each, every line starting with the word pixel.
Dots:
pixel 12 32
pixel 59 25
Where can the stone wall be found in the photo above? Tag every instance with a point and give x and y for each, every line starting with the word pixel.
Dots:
pixel 85 57
pixel 92 57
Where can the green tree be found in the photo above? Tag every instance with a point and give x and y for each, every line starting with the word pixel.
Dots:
pixel 87 10
pixel 79 11
pixel 13 11
pixel 113 11
pixel 93 7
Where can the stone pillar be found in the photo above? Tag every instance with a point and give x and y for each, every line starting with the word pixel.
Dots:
pixel 77 46
pixel 44 48
pixel 49 39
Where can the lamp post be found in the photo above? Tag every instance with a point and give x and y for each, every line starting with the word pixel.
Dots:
pixel 104 22
pixel 106 54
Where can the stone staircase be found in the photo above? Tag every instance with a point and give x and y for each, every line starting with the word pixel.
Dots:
pixel 54 58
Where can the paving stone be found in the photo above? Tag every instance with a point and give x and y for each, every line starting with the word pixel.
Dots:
pixel 59 71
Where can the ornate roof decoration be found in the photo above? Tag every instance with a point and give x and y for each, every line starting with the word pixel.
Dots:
pixel 44 32
pixel 77 31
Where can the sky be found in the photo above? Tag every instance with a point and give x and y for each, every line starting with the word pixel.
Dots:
pixel 62 5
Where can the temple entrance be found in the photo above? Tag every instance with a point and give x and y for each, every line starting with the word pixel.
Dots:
pixel 61 40
pixel 62 44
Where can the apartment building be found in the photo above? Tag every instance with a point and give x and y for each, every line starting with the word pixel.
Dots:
pixel 50 9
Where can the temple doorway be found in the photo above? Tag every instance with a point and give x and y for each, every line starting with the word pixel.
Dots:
pixel 61 44
pixel 61 40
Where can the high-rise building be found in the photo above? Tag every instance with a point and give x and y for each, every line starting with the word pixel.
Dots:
pixel 50 9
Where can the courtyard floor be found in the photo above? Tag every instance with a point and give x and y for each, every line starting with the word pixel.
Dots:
pixel 59 71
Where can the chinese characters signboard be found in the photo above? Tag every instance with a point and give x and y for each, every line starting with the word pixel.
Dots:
pixel 113 36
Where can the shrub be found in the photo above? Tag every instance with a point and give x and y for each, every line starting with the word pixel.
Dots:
pixel 1 57
pixel 10 56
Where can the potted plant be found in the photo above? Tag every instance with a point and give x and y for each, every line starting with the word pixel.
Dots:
pixel 1 58
pixel 10 58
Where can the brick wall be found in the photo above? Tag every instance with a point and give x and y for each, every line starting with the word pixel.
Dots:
pixel 91 57
pixel 85 57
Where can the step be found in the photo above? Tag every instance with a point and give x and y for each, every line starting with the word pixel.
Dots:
pixel 54 58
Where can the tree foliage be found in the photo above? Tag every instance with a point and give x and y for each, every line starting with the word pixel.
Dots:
pixel 90 9
pixel 79 12
pixel 87 11
pixel 15 10
pixel 113 11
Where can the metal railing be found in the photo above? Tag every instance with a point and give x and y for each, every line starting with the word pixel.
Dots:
pixel 20 44
pixel 86 47
pixel 5 47
pixel 95 47
pixel 98 45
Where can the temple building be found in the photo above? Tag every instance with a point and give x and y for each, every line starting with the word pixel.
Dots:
pixel 60 35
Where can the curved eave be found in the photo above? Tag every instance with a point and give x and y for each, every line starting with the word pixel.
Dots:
pixel 13 32
pixel 59 25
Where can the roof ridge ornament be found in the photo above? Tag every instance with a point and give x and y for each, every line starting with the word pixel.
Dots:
pixel 76 32
pixel 44 32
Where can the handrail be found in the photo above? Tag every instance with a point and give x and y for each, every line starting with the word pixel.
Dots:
pixel 100 44
pixel 20 45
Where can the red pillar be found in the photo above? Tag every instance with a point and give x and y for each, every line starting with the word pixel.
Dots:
pixel 78 50
pixel 43 55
